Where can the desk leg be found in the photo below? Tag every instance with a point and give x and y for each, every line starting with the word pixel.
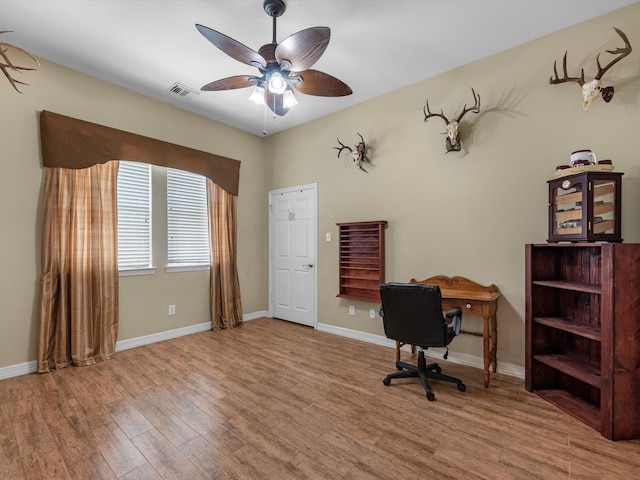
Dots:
pixel 486 348
pixel 494 343
pixel 399 346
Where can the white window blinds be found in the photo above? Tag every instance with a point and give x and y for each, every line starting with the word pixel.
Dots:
pixel 187 219
pixel 134 215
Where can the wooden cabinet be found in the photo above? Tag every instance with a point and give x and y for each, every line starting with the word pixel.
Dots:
pixel 585 207
pixel 361 258
pixel 582 350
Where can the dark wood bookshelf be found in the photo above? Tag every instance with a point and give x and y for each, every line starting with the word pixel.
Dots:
pixel 582 352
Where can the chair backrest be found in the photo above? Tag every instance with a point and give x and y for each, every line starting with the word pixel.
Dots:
pixel 412 313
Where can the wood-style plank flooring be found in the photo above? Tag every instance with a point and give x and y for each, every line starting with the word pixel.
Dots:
pixel 275 400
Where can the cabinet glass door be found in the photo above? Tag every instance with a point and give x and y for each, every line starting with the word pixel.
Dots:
pixel 568 202
pixel 604 195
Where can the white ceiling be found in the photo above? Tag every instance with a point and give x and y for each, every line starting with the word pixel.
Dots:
pixel 376 46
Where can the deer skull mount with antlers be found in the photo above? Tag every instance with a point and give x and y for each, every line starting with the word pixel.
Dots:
pixel 591 89
pixel 453 143
pixel 359 155
pixel 7 66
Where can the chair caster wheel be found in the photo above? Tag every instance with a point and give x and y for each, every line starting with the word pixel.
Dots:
pixel 438 369
pixel 462 387
pixel 430 396
pixel 387 381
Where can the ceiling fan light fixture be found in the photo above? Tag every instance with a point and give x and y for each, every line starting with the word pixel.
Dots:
pixel 277 83
pixel 257 95
pixel 289 99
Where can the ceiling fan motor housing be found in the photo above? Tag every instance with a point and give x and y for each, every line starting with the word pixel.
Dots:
pixel 274 8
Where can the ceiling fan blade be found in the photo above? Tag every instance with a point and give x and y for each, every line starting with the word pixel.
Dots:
pixel 230 83
pixel 321 84
pixel 274 102
pixel 232 47
pixel 303 48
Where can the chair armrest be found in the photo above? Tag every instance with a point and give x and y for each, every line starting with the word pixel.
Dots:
pixel 451 314
pixel 454 315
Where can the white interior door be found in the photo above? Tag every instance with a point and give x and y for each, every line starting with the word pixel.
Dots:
pixel 292 254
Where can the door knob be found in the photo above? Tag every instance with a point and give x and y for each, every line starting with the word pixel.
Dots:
pixel 308 265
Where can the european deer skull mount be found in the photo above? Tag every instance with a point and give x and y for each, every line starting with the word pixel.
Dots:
pixel 7 66
pixel 453 127
pixel 359 155
pixel 591 89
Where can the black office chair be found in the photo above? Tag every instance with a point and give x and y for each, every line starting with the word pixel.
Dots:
pixel 412 314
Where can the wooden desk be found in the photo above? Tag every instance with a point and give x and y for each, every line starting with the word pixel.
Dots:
pixel 472 298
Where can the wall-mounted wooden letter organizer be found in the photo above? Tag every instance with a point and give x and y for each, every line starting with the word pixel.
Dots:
pixel 361 259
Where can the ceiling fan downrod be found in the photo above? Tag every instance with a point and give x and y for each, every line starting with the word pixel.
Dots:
pixel 274 8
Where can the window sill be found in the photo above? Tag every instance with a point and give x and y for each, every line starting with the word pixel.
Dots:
pixel 134 272
pixel 186 268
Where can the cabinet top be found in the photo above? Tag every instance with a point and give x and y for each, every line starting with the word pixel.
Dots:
pixel 581 244
pixel 372 222
pixel 565 176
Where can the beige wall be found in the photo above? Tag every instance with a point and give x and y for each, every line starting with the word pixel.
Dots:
pixel 469 213
pixel 144 300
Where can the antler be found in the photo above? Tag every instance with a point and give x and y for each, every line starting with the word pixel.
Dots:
pixel 566 78
pixel 343 147
pixel 427 117
pixel 8 65
pixel 622 52
pixel 465 110
pixel 474 109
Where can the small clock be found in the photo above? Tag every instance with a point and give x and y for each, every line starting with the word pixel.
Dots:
pixel 566 184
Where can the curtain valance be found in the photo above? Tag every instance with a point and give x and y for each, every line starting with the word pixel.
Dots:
pixel 71 143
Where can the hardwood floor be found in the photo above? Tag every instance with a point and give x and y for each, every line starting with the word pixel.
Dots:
pixel 274 400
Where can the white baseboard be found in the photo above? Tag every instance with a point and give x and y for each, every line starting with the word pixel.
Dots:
pixel 178 332
pixel 464 359
pixel 255 315
pixel 18 369
pixel 32 366
pixel 161 336
pixel 455 357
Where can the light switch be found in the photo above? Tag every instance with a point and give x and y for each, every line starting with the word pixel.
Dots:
pixel 327 236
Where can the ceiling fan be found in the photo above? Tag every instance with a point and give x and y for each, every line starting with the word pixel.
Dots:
pixel 283 67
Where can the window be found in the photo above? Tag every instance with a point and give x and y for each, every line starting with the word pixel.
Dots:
pixel 187 219
pixel 134 215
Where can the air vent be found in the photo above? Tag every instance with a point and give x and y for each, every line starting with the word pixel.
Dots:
pixel 183 91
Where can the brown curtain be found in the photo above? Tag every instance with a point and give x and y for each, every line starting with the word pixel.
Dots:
pixel 226 305
pixel 79 283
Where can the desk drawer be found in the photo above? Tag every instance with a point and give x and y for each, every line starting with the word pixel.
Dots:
pixel 468 306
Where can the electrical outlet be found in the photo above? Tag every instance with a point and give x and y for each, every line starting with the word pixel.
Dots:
pixel 372 313
pixel 172 309
pixel 352 310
